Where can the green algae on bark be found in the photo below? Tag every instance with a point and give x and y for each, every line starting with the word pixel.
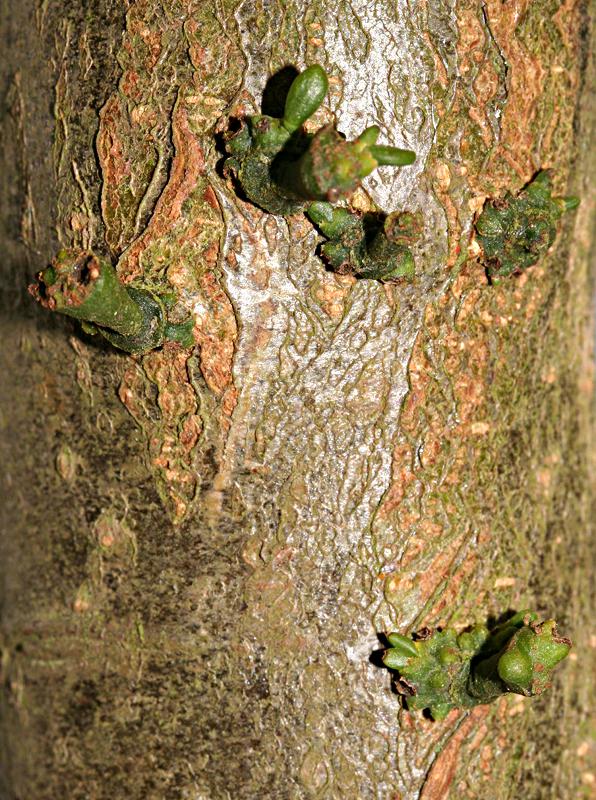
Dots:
pixel 516 232
pixel 86 287
pixel 372 245
pixel 280 167
pixel 442 670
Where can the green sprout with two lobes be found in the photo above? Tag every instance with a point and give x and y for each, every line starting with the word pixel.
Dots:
pixel 82 285
pixel 285 170
pixel 441 670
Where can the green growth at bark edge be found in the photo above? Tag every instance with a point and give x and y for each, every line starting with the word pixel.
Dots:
pixel 86 287
pixel 516 231
pixel 372 245
pixel 441 670
pixel 280 167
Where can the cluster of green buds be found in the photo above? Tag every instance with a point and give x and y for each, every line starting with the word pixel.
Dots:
pixel 516 231
pixel 82 285
pixel 281 168
pixel 441 670
pixel 371 245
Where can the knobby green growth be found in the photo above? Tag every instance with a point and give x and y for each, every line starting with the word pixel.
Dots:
pixel 441 670
pixel 372 245
pixel 280 167
pixel 516 231
pixel 84 286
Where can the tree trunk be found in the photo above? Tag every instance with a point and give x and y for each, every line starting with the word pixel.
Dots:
pixel 200 547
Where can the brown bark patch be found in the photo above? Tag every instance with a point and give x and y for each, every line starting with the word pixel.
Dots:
pixel 331 292
pixel 216 333
pixel 440 778
pixel 526 83
pixel 187 166
pixel 173 438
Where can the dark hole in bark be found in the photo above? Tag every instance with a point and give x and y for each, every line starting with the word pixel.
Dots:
pixel 276 91
pixel 83 270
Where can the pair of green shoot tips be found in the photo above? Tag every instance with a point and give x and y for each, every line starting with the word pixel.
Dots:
pixel 305 96
pixel 281 167
pixel 330 167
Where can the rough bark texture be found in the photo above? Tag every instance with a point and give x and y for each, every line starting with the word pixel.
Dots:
pixel 200 548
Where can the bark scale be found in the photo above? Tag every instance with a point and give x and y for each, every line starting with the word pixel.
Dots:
pixel 199 549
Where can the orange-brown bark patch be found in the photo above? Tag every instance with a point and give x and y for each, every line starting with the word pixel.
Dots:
pixel 109 146
pixel 167 369
pixel 132 392
pixel 453 590
pixel 438 570
pixel 442 181
pixel 174 437
pixel 438 783
pixel 525 87
pixel 331 293
pixel 187 166
pixel 566 20
pixel 215 332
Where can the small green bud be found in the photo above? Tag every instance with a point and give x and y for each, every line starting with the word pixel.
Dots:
pixel 306 94
pixel 531 655
pixel 383 154
pixel 336 223
pixel 321 213
pixel 394 658
pixel 515 669
pixel 368 137
pixel 402 643
pixel 473 639
pixel 548 647
pixel 374 246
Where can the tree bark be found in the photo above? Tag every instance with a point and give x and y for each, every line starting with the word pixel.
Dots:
pixel 201 547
